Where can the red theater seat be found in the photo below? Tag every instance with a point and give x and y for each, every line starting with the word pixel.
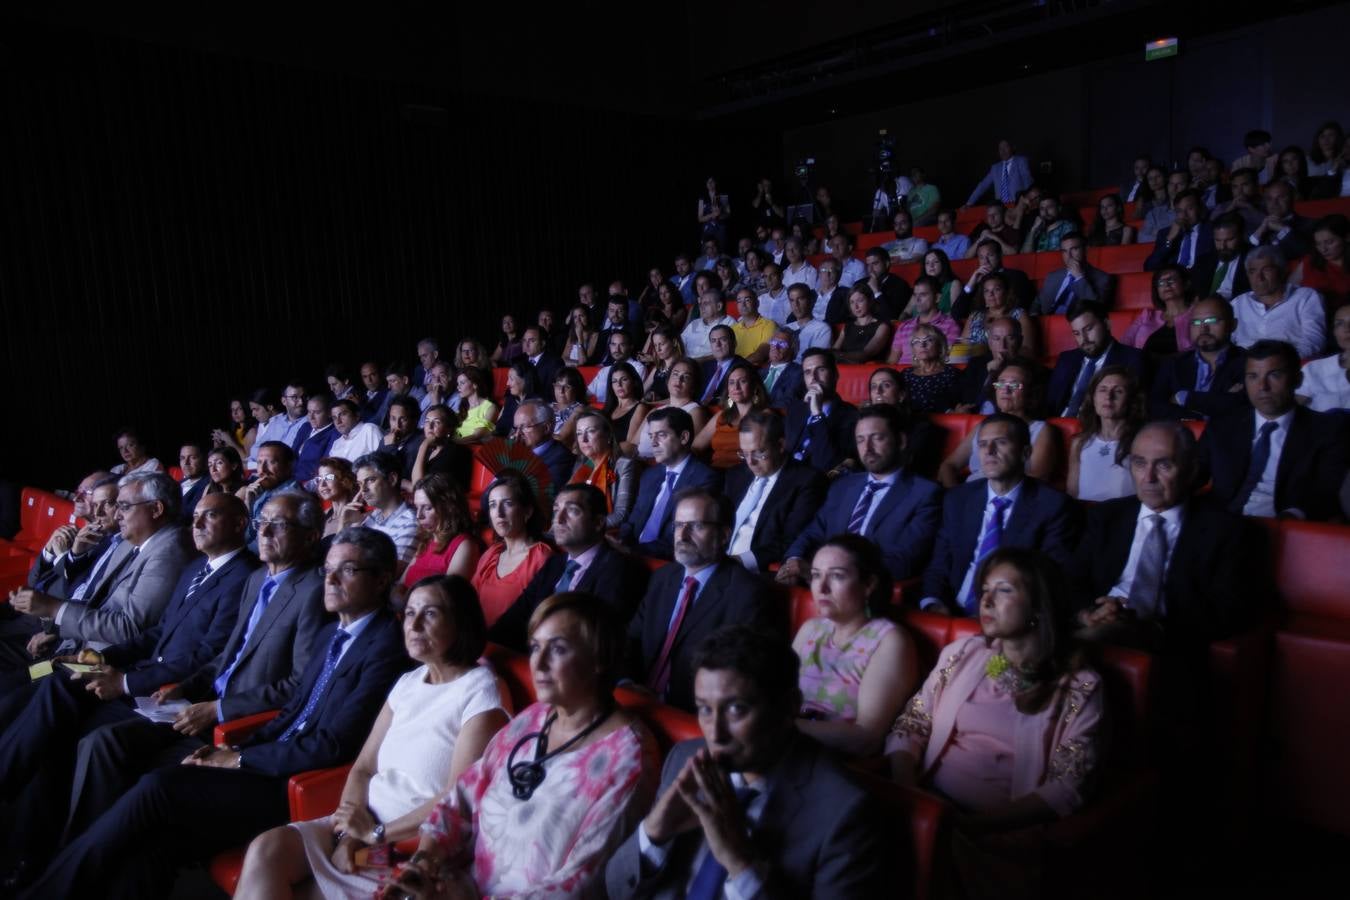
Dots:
pixel 955 427
pixel 513 669
pixel 1134 290
pixel 479 479
pixel 1057 336
pixel 1119 260
pixel 964 268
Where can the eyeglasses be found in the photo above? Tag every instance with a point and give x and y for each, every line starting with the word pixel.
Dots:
pixel 326 479
pixel 347 571
pixel 126 505
pixel 920 341
pixel 756 455
pixel 519 428
pixel 781 345
pixel 280 525
pixel 1207 320
pixel 1173 281
pixel 1008 385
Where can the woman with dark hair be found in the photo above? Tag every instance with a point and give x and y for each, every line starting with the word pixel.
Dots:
pixel 600 465
pixel 742 393
pixel 1164 329
pixel 435 724
pixel 1109 229
pixel 225 469
pixel 242 432
pixel 754 271
pixel 663 348
pixel 478 414
pixel 1324 269
pixel 999 303
pixel 685 383
pixel 438 453
pixel 858 668
pixel 569 401
pixel 938 266
pixel 522 383
pixel 714 210
pixel 865 337
pixel 1292 168
pixel 508 342
pixel 446 544
pixel 1112 412
pixel 1154 196
pixel 579 348
pixel 1326 381
pixel 1327 156
pixel 1008 725
pixel 648 298
pixel 517 552
pixel 335 484
pixel 923 442
pixel 624 409
pixel 586 768
pixel 727 275
pixel 1018 391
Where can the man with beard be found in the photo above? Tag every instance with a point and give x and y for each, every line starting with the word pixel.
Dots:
pixel 1207 380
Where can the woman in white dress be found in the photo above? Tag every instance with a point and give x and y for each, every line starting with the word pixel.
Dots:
pixel 434 726
pixel 1326 381
pixel 1112 412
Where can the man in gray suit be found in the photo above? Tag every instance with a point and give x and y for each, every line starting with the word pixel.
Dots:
pixel 756 808
pixel 281 610
pixel 1076 281
pixel 134 587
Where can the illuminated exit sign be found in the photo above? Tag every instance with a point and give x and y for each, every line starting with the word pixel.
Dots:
pixel 1160 49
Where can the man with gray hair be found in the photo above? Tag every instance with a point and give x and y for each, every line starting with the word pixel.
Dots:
pixel 134 587
pixel 1276 310
pixel 534 428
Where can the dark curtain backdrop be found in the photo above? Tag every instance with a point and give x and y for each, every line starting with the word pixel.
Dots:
pixel 176 227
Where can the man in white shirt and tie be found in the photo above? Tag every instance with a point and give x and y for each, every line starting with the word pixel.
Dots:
pixel 775 496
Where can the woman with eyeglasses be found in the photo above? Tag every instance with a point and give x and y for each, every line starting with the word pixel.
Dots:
pixel 600 465
pixel 926 312
pixel 439 454
pixel 336 486
pixel 933 385
pixel 558 789
pixel 1018 390
pixel 742 393
pixel 1112 412
pixel 446 543
pixel 435 724
pixel 1165 329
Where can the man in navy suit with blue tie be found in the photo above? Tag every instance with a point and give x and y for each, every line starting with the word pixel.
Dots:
pixel 894 508
pixel 1006 508
pixel 1007 177
pixel 648 525
pixel 38 742
pixel 1096 348
pixel 1189 238
pixel 220 797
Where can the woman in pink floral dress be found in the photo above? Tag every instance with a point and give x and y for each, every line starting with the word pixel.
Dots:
pixel 557 790
pixel 857 669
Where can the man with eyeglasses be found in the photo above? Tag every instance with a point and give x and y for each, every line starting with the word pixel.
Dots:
pixel 1206 380
pixel 534 429
pixel 276 463
pixel 783 375
pixel 693 597
pixel 586 562
pixel 894 508
pixel 37 744
pixel 220 797
pixel 648 524
pixel 281 613
pixel 774 497
pixel 128 593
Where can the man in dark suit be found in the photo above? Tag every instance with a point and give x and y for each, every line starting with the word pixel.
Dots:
pixel 782 377
pixel 1278 458
pixel 192 460
pixel 755 807
pixel 1004 337
pixel 1162 564
pixel 375 397
pixel 648 526
pixel 892 292
pixel 831 305
pixel 1205 381
pixel 1076 281
pixel 1282 228
pixel 990 254
pixel 689 599
pixel 723 342
pixel 587 563
pixel 534 428
pixel 1223 273
pixel 819 429
pixel 223 796
pixel 774 497
pixel 1096 348
pixel 1004 509
pixel 1187 240
pixel 37 746
pixel 895 509
pixel 546 364
pixel 273 638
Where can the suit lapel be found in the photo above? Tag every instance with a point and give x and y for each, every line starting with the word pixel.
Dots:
pixel 970 536
pixel 891 502
pixel 706 604
pixel 1020 519
pixel 120 569
pixel 285 593
pixel 1290 454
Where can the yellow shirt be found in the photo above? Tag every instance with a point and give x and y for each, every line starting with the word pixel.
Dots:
pixel 749 339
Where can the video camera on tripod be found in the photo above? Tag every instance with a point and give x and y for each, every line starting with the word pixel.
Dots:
pixel 884 198
pixel 805 210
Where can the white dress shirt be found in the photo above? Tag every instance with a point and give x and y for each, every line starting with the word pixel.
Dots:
pixel 1299 318
pixel 1262 500
pixel 778 307
pixel 814 333
pixel 695 336
pixel 852 272
pixel 804 274
pixel 1172 520
pixel 740 541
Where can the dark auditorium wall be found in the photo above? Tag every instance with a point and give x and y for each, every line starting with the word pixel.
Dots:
pixel 177 225
pixel 1089 121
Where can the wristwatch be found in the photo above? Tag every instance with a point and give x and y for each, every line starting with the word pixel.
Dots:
pixel 378 833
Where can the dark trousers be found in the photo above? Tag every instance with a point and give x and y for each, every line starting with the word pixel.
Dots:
pixel 175 815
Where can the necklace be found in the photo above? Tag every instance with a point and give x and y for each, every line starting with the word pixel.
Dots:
pixel 1002 672
pixel 527 775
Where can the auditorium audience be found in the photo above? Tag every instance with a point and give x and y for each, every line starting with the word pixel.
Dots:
pixel 905 248
pixel 693 597
pixel 276 462
pixel 355 438
pixel 1012 173
pixel 522 383
pixel 819 427
pixel 697 334
pixel 1016 390
pixel 782 376
pixel 996 229
pixel 533 350
pixel 998 303
pixel 949 242
pixel 648 526
pixel 664 348
pixel 684 385
pixel 377 475
pixel 569 401
pixel 937 264
pixel 990 256
pixel 601 465
pixel 773 299
pixel 446 541
pixel 890 291
pixel 478 414
pixel 1164 330
pixel 1160 216
pixel 134 458
pixel 722 340
pixel 404 438
pixel 315 444
pixel 857 667
pixel 1096 348
pixel 1327 154
pixel 1187 238
pixel 508 342
pixel 1275 310
pixel 1078 280
pixel 1282 228
pixel 1110 417
pixel 1047 230
pixel 243 426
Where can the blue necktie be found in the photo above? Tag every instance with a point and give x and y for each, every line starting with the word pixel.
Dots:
pixel 652 530
pixel 1080 389
pixel 993 537
pixel 197 581
pixel 714 382
pixel 1004 193
pixel 1065 294
pixel 568 572
pixel 330 662
pixel 863 506
pixel 1184 253
pixel 712 876
pixel 269 587
pixel 805 445
pixel 1260 456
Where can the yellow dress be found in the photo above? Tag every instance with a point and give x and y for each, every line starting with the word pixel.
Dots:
pixel 477 418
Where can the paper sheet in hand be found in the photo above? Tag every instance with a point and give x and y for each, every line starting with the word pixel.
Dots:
pixel 160 712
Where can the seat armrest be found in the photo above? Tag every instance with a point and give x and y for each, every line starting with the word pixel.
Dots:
pixel 316 793
pixel 237 730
